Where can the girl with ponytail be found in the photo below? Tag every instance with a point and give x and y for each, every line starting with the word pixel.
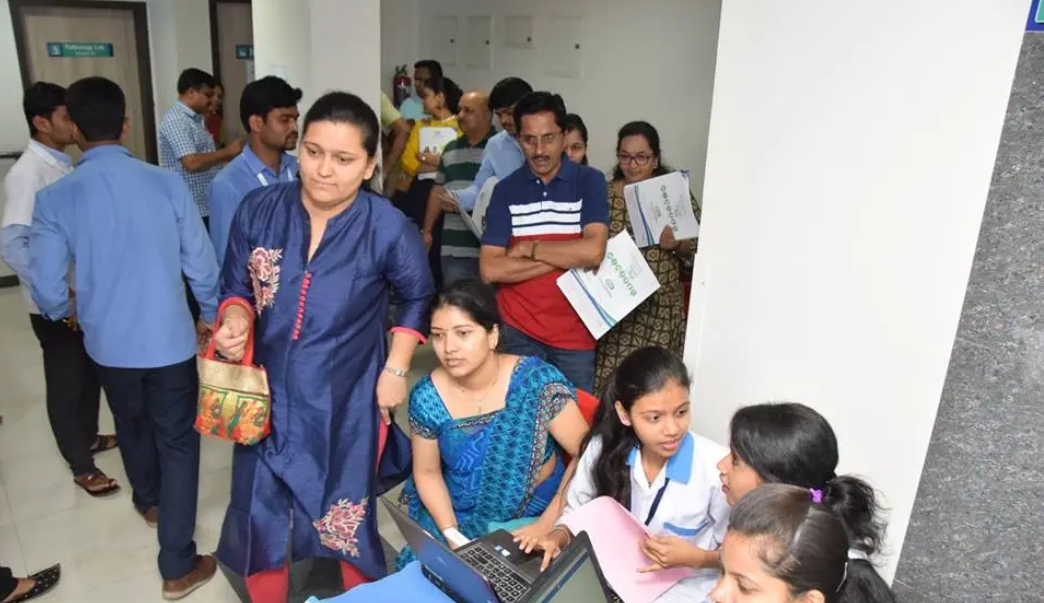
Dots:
pixel 790 544
pixel 642 454
pixel 792 444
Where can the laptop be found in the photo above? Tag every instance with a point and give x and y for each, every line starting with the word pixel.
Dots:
pixel 493 569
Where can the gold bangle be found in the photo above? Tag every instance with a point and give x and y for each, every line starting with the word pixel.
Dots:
pixel 532 251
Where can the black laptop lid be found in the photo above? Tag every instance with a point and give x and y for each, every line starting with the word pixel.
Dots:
pixel 575 577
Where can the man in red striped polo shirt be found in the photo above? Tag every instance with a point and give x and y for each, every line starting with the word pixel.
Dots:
pixel 549 216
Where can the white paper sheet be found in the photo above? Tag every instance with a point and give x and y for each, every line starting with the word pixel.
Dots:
pixel 606 296
pixel 657 203
pixel 477 221
pixel 434 139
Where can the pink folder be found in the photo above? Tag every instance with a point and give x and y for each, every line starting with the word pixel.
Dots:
pixel 616 537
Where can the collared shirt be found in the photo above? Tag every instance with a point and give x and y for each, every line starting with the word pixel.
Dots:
pixel 133 230
pixel 503 156
pixel 523 208
pixel 413 108
pixel 389 114
pixel 182 133
pixel 459 164
pixel 39 166
pixel 242 175
pixel 692 506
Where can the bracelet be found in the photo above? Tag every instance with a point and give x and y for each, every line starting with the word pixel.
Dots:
pixel 565 530
pixel 395 371
pixel 532 251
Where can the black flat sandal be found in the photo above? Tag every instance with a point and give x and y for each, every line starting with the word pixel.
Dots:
pixel 45 580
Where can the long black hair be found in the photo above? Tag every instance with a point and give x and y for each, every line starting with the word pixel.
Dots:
pixel 806 545
pixel 789 443
pixel 651 136
pixel 346 108
pixel 643 372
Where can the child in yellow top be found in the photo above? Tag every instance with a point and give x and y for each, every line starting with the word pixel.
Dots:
pixel 441 99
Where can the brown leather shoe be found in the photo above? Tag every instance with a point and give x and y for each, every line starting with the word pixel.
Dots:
pixel 151 516
pixel 204 570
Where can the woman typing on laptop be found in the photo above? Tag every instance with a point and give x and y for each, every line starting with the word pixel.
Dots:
pixel 488 428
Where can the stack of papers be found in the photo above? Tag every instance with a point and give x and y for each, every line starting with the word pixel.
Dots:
pixel 657 203
pixel 616 537
pixel 605 296
pixel 476 221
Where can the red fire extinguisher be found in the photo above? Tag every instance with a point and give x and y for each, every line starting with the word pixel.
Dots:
pixel 401 85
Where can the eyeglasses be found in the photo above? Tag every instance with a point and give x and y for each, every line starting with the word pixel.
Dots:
pixel 545 140
pixel 639 160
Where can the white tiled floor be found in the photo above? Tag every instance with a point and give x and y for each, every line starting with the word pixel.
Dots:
pixel 106 551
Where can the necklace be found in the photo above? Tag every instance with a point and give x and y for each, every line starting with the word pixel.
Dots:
pixel 479 402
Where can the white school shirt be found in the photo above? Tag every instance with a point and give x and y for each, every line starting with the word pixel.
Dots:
pixel 693 506
pixel 37 168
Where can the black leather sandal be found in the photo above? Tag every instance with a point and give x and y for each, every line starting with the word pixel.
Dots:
pixel 45 581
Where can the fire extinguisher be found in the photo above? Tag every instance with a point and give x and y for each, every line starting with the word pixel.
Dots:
pixel 401 85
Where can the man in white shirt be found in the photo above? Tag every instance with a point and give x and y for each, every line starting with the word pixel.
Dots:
pixel 73 389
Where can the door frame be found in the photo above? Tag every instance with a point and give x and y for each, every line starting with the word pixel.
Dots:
pixel 139 12
pixel 215 42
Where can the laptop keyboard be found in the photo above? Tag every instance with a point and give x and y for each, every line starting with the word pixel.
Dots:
pixel 508 584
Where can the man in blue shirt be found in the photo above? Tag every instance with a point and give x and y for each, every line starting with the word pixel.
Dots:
pixel 73 391
pixel 503 155
pixel 268 108
pixel 133 229
pixel 423 71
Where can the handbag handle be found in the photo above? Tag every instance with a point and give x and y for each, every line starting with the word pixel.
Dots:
pixel 248 350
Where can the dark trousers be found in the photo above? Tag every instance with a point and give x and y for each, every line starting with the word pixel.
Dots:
pixel 189 295
pixel 8 583
pixel 73 392
pixel 154 410
pixel 577 365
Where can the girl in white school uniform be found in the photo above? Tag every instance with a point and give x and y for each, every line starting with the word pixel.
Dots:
pixel 642 454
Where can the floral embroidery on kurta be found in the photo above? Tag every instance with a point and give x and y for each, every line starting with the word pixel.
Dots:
pixel 337 528
pixel 264 273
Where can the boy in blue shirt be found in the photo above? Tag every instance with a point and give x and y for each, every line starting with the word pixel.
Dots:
pixel 133 229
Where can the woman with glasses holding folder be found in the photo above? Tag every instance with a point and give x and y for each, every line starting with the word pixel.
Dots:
pixel 660 319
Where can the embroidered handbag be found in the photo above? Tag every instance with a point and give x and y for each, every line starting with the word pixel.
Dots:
pixel 235 402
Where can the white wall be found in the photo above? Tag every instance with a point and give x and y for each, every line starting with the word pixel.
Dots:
pixel 642 60
pixel 180 38
pixel 851 149
pixel 304 41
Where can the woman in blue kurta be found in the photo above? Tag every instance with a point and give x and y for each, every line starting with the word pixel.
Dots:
pixel 309 267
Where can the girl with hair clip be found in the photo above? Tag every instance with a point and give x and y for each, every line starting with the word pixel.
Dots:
pixel 790 544
pixel 642 454
pixel 789 443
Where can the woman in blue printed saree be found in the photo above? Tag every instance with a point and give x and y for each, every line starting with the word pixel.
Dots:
pixel 489 429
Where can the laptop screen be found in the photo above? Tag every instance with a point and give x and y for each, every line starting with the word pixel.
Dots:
pixel 578 582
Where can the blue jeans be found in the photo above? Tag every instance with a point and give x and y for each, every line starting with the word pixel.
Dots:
pixel 154 410
pixel 458 269
pixel 577 365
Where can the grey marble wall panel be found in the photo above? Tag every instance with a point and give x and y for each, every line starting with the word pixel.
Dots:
pixel 977 530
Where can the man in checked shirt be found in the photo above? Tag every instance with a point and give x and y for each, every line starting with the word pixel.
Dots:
pixel 187 149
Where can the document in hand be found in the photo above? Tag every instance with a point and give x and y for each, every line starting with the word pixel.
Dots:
pixel 476 222
pixel 434 139
pixel 616 537
pixel 605 296
pixel 660 202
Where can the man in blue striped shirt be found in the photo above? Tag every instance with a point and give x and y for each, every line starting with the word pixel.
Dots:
pixel 133 229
